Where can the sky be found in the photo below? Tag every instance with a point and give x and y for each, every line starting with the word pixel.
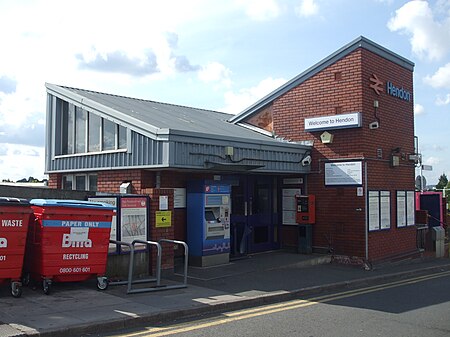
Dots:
pixel 220 55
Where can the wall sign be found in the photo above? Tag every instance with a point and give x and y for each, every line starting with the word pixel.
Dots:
pixel 391 89
pixel 163 219
pixel 398 92
pixel 289 203
pixel 343 173
pixel 344 121
pixel 133 219
pixel 179 198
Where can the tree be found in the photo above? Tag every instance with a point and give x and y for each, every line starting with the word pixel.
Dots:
pixel 443 181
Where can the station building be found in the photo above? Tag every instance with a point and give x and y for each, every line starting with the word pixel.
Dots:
pixel 341 132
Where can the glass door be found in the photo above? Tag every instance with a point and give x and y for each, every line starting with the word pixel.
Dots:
pixel 260 218
pixel 254 224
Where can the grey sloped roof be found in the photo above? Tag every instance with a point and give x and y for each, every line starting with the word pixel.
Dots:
pixel 160 117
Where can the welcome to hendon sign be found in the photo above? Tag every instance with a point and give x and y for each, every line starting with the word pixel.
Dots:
pixel 344 121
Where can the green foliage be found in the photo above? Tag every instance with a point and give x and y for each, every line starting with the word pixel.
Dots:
pixel 443 182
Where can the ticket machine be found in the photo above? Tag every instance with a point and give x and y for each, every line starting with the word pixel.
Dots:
pixel 208 222
pixel 306 209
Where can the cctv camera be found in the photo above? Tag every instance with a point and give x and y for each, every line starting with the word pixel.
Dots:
pixel 374 125
pixel 306 161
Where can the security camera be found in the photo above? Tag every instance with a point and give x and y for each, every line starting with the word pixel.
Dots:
pixel 306 161
pixel 374 125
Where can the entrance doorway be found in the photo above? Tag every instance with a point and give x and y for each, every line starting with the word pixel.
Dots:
pixel 254 217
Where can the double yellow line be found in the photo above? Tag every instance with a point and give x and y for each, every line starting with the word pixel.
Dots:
pixel 270 309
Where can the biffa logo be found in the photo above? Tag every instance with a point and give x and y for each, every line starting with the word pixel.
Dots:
pixel 3 243
pixel 67 242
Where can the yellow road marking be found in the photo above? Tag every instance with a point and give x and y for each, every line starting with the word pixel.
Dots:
pixel 269 309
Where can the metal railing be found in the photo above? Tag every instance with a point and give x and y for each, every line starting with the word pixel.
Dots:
pixel 156 279
pixel 421 237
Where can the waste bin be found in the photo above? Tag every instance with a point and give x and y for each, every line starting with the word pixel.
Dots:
pixel 304 239
pixel 68 242
pixel 15 215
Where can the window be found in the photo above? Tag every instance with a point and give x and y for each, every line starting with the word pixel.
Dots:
pixel 82 132
pixel 379 210
pixel 95 127
pixel 68 128
pixel 122 137
pixel 80 182
pixel 92 182
pixel 109 135
pixel 67 182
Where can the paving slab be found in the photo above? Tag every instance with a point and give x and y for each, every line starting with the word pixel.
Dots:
pixel 74 309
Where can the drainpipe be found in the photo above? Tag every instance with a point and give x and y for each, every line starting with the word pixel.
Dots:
pixel 366 210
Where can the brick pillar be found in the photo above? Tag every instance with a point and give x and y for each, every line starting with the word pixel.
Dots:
pixel 157 233
pixel 55 180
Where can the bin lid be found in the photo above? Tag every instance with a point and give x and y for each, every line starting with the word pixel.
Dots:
pixel 11 201
pixel 70 203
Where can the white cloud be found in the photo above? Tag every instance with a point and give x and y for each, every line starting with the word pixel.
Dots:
pixel 429 38
pixel 237 102
pixel 23 162
pixel 440 79
pixel 260 10
pixel 443 100
pixel 418 109
pixel 307 8
pixel 432 160
pixel 215 72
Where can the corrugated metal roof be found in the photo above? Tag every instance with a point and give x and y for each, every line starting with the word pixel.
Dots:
pixel 171 117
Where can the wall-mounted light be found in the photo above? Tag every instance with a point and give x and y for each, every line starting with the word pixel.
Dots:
pixel 229 150
pixel 395 156
pixel 326 137
pixel 125 187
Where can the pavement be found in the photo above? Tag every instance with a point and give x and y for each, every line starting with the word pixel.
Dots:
pixel 79 309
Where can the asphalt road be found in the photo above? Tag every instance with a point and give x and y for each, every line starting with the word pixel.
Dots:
pixel 418 306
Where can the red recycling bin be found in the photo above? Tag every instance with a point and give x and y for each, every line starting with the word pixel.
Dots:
pixel 68 242
pixel 15 215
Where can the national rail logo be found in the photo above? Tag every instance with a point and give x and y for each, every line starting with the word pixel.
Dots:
pixel 391 89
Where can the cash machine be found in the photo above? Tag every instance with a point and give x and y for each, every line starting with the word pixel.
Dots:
pixel 208 222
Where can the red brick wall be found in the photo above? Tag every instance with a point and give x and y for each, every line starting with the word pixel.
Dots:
pixel 396 130
pixel 55 180
pixel 343 87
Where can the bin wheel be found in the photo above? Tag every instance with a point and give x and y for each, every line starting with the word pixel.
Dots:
pixel 16 289
pixel 26 279
pixel 46 285
pixel 102 283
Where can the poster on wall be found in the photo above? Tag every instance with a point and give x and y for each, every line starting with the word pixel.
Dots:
pixel 405 208
pixel 410 208
pixel 379 210
pixel 179 198
pixel 343 173
pixel 385 209
pixel 374 211
pixel 133 219
pixel 290 205
pixel 113 235
pixel 401 209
